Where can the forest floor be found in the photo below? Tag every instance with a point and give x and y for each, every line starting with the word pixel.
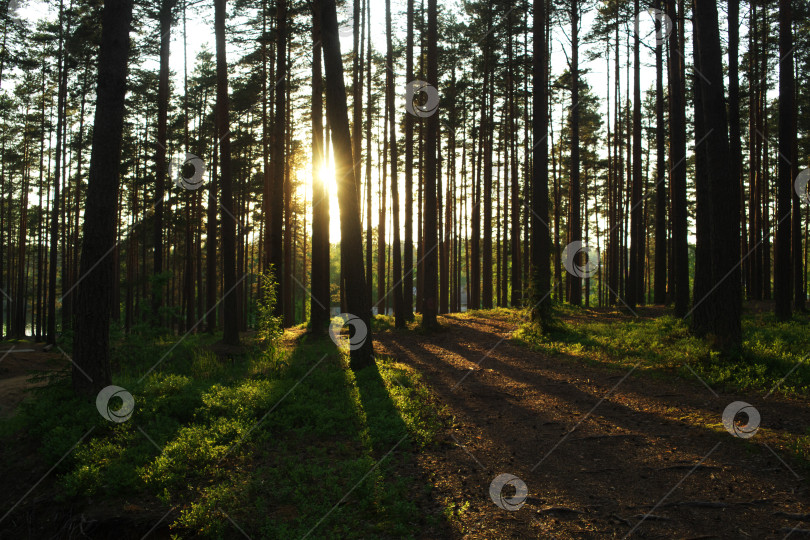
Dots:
pixel 613 422
pixel 605 452
pixel 17 362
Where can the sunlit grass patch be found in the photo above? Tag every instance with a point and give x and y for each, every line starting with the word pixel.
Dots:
pixel 272 438
pixel 664 345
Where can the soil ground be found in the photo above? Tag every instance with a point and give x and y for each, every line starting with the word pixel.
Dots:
pixel 604 454
pixel 18 362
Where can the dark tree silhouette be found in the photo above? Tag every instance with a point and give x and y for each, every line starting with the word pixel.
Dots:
pixel 541 241
pixel 782 286
pixel 230 334
pixel 165 20
pixel 660 279
pixel 723 302
pixel 91 341
pixel 319 304
pixel 399 310
pixel 574 213
pixel 635 285
pixel 353 278
pixel 677 161
pixel 277 161
pixel 431 257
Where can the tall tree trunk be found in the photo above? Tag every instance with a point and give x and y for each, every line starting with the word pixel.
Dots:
pixel 350 227
pixel 724 301
pixel 430 302
pixel 382 298
pixel 407 285
pixel 783 269
pixel 288 273
pixel 541 243
pixel 54 241
pixel 278 158
pixel 357 89
pixel 635 291
pixel 517 281
pixel 211 247
pixel 677 160
pixel 165 17
pixel 319 303
pixel 399 310
pixel 267 188
pixel 660 277
pixel 230 335
pixel 369 228
pixel 488 136
pixel 735 143
pixel 704 279
pixel 91 352
pixel 475 225
pixel 799 275
pixel 575 232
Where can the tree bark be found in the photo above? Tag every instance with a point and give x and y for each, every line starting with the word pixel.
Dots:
pixel 660 277
pixel 541 242
pixel 399 311
pixel 677 160
pixel 231 306
pixel 635 290
pixel 277 159
pixel 91 351
pixel 430 301
pixel 319 303
pixel 784 186
pixel 354 280
pixel 575 232
pixel 407 285
pixel 724 301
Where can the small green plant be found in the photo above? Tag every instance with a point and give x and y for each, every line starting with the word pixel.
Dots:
pixel 268 325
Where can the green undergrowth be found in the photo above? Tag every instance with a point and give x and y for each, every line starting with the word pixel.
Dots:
pixel 267 440
pixel 664 346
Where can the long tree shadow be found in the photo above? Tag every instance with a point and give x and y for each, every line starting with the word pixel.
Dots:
pixel 639 457
pixel 353 451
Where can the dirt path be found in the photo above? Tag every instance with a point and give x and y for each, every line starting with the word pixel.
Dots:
pixel 595 467
pixel 18 362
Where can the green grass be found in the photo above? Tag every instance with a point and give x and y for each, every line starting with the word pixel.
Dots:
pixel 663 345
pixel 201 439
